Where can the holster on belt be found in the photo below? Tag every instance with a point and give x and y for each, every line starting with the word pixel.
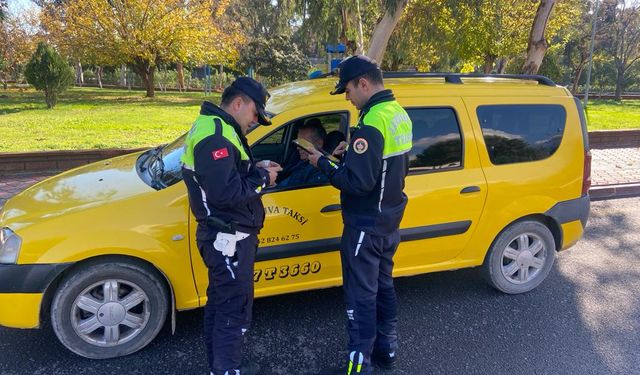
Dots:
pixel 221 225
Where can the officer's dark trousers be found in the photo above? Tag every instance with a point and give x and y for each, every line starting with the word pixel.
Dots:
pixel 367 265
pixel 227 314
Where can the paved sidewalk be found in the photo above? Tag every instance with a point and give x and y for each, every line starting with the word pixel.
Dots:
pixel 11 185
pixel 614 173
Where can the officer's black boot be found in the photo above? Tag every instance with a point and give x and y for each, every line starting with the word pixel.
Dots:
pixel 247 368
pixel 383 359
pixel 356 365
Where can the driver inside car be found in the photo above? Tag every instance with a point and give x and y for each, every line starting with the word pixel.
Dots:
pixel 302 173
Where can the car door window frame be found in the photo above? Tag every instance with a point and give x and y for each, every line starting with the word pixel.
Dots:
pixel 288 135
pixel 422 170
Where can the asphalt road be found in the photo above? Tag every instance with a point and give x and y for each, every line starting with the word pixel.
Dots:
pixel 584 319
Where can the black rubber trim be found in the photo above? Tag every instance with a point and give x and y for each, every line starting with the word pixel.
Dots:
pixel 333 244
pixel 433 231
pixel 28 278
pixel 571 210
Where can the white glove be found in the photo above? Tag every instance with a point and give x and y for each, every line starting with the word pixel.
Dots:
pixel 226 242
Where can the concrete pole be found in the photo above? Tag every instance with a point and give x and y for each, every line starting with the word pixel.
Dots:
pixel 593 37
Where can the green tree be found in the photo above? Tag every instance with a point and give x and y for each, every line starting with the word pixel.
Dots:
pixel 142 34
pixel 49 72
pixel 346 21
pixel 623 23
pixel 576 50
pixel 17 42
pixel 275 58
pixel 487 34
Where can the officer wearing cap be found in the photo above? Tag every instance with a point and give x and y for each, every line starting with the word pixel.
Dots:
pixel 224 186
pixel 371 183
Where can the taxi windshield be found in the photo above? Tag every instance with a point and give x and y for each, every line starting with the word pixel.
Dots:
pixel 160 167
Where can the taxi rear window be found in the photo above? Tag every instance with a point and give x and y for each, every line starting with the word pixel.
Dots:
pixel 522 132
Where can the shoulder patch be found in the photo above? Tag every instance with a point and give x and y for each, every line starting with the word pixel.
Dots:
pixel 360 145
pixel 220 154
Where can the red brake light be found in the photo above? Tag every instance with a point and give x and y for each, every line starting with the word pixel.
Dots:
pixel 586 174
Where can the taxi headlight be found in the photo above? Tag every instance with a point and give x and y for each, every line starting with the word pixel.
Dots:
pixel 10 244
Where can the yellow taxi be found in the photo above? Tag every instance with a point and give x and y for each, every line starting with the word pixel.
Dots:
pixel 499 178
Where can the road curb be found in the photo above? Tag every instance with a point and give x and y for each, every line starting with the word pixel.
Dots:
pixel 603 192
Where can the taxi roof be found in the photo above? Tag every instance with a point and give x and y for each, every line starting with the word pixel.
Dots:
pixel 316 91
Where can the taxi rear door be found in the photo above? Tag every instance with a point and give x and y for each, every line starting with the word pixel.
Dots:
pixel 446 187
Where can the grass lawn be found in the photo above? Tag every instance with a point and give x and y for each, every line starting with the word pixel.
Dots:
pixel 87 118
pixel 612 115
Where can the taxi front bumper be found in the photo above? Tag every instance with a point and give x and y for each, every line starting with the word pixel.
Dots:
pixel 22 287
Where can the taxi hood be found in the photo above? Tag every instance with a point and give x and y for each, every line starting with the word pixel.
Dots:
pixel 79 189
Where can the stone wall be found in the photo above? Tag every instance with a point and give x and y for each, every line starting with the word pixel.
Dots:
pixel 25 162
pixel 614 138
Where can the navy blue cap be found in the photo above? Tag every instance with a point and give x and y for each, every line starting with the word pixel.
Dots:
pixel 351 68
pixel 257 93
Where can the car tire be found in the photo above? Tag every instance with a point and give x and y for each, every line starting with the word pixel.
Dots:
pixel 109 310
pixel 520 257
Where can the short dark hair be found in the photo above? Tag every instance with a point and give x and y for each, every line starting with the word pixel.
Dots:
pixel 230 93
pixel 315 125
pixel 374 76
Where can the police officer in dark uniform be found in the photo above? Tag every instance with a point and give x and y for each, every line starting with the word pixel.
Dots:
pixel 371 183
pixel 224 187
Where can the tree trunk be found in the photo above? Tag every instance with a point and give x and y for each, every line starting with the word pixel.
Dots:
pixel 146 73
pixel 220 76
pixel 382 31
pixel 345 25
pixel 576 79
pixel 50 97
pixel 99 76
pixel 79 74
pixel 180 69
pixel 538 45
pixel 501 65
pixel 123 75
pixel 489 60
pixel 360 38
pixel 619 82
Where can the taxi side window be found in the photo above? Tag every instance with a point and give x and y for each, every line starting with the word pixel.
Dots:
pixel 277 146
pixel 437 142
pixel 523 132
pixel 272 147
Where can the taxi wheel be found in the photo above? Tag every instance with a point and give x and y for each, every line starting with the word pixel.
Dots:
pixel 109 310
pixel 520 258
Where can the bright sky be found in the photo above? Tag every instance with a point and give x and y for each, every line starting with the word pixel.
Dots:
pixel 17 6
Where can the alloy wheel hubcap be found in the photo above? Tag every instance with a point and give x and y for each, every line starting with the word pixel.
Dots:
pixel 523 258
pixel 110 312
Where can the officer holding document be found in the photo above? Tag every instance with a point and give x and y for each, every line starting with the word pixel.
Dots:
pixel 224 186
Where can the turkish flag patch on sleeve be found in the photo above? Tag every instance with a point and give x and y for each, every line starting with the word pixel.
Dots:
pixel 220 154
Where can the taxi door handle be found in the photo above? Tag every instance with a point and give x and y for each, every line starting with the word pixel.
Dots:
pixel 470 189
pixel 331 208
